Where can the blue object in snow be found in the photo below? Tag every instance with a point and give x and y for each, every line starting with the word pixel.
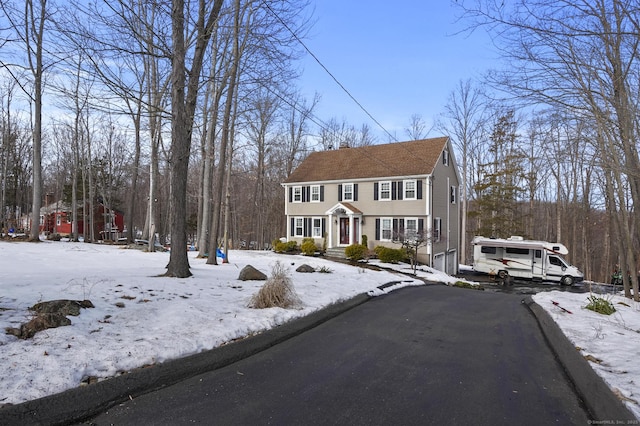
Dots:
pixel 219 253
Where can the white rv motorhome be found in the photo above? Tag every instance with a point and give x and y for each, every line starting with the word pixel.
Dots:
pixel 520 258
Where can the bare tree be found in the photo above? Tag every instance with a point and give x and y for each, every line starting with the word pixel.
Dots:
pixel 226 133
pixel 29 26
pixel 465 121
pixel 184 96
pixel 417 128
pixel 294 137
pixel 261 119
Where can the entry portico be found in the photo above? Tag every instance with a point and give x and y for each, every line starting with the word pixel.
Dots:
pixel 344 225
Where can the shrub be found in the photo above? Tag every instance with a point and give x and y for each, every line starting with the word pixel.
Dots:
pixel 288 247
pixel 324 270
pixel 355 252
pixel 390 255
pixel 464 284
pixel 308 247
pixel 277 291
pixel 365 241
pixel 291 246
pixel 600 305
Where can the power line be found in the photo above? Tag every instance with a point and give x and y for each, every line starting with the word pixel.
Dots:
pixel 327 71
pixel 365 152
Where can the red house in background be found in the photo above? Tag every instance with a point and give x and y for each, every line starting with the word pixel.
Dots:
pixel 56 218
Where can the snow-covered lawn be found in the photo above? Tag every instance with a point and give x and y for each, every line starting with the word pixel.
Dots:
pixel 140 318
pixel 611 343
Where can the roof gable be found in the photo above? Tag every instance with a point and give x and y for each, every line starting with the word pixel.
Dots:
pixel 394 159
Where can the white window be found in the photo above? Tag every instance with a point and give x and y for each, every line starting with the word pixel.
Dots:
pixel 385 191
pixel 315 193
pixel 298 230
pixel 386 229
pixel 410 190
pixel 445 157
pixel 317 227
pixel 297 194
pixel 58 220
pixel 347 192
pixel 410 229
pixel 454 194
pixel 437 229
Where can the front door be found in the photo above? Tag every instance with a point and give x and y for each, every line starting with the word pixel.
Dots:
pixel 344 230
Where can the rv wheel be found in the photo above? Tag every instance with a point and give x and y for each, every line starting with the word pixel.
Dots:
pixel 567 280
pixel 503 274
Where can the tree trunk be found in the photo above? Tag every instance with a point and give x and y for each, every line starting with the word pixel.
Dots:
pixel 36 69
pixel 184 96
pixel 224 142
pixel 180 148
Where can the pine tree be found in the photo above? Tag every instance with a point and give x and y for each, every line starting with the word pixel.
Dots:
pixel 500 186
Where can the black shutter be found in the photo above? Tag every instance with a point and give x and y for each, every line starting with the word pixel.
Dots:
pixel 339 192
pixel 293 227
pixel 420 226
pixel 378 229
pixel 401 227
pixel 321 192
pixel 400 196
pixel 394 236
pixel 324 226
pixel 375 191
pixel 291 194
pixel 419 189
pixel 355 192
pixel 394 189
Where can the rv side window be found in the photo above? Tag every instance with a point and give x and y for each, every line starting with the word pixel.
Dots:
pixel 555 261
pixel 538 254
pixel 516 250
pixel 488 250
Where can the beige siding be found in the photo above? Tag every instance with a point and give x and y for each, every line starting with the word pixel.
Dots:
pixel 436 193
pixel 446 177
pixel 366 203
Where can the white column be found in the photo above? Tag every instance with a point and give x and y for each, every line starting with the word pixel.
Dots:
pixel 350 229
pixel 330 232
pixel 429 224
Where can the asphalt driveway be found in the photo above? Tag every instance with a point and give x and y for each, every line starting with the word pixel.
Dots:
pixel 420 355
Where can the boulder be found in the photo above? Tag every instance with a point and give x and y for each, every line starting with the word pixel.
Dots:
pixel 305 268
pixel 39 323
pixel 249 273
pixel 50 314
pixel 63 307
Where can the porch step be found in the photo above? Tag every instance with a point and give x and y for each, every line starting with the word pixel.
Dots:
pixel 337 252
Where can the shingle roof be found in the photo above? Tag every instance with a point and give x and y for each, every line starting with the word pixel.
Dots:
pixel 394 159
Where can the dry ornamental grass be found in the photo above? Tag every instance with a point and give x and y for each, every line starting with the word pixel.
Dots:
pixel 277 291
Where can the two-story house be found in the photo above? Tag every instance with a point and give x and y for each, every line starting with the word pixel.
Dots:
pixel 385 192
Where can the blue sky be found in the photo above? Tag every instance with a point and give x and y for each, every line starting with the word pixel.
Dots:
pixel 396 58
